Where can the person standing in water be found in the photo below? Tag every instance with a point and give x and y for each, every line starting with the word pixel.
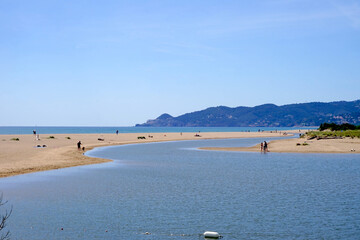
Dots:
pixel 265 146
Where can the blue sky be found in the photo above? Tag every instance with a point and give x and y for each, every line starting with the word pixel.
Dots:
pixel 118 63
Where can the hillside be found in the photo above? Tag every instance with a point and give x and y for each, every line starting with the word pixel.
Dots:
pixel 267 115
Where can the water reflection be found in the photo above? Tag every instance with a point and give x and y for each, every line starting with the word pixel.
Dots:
pixel 174 192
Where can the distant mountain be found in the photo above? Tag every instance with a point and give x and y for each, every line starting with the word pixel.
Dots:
pixel 267 115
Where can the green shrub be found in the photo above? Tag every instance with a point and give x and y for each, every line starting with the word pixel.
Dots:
pixel 340 133
pixel 15 139
pixel 51 137
pixel 336 127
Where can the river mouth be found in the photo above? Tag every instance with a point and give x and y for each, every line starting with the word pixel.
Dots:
pixel 172 191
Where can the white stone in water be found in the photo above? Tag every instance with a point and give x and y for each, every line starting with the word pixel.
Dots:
pixel 209 234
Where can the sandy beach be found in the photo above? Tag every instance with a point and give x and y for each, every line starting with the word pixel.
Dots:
pixel 301 145
pixel 23 156
pixel 20 157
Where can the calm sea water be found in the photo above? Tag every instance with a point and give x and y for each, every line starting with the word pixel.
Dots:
pixel 58 130
pixel 174 191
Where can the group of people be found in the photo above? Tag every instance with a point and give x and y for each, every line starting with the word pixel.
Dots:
pixel 264 146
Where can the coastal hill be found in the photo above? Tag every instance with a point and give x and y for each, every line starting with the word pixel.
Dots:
pixel 267 115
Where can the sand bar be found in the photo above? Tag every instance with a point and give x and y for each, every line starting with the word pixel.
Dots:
pixel 20 157
pixel 301 145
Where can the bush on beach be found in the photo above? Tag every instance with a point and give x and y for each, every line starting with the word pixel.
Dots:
pixel 333 131
pixel 336 127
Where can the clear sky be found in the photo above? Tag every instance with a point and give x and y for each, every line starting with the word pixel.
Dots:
pixel 118 63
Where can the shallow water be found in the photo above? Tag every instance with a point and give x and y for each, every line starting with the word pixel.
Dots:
pixel 174 191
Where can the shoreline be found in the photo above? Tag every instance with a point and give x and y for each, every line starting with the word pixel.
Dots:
pixel 301 145
pixel 22 156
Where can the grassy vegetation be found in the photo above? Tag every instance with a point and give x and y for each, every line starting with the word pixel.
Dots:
pixel 15 139
pixel 332 130
pixel 333 134
pixel 51 137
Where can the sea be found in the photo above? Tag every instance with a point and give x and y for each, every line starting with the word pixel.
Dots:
pixel 6 130
pixel 173 190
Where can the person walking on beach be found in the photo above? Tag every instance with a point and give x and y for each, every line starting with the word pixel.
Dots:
pixel 79 145
pixel 117 132
pixel 261 146
pixel 265 146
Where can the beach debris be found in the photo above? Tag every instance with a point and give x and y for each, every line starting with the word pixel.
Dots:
pixel 147 233
pixel 39 146
pixel 101 139
pixel 141 137
pixel 213 235
pixel 15 139
pixel 352 150
pixel 328 137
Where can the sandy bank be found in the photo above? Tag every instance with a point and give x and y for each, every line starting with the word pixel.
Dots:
pixel 299 145
pixel 19 157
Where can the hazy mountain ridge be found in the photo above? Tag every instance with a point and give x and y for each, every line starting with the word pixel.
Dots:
pixel 266 115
